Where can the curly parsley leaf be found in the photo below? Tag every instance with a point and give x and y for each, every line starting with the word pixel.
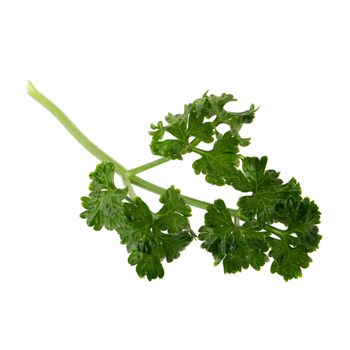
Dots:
pixel 237 119
pixel 267 189
pixel 290 251
pixel 190 128
pixel 147 265
pixel 137 233
pixel 151 238
pixel 301 219
pixel 103 206
pixel 173 216
pixel 219 163
pixel 238 247
pixel 288 260
pixel 212 105
pixel 182 127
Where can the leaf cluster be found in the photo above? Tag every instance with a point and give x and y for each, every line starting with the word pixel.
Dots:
pixel 251 235
pixel 199 123
pixel 149 237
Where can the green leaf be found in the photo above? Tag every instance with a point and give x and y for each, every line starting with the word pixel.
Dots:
pixel 236 119
pixel 173 216
pixel 103 206
pixel 182 127
pixel 268 191
pixel 301 219
pixel 219 163
pixel 210 105
pixel 151 238
pixel 288 261
pixel 138 233
pixel 257 176
pixel 238 247
pixel 218 232
pixel 290 250
pixel 148 265
pixel 184 131
pixel 173 244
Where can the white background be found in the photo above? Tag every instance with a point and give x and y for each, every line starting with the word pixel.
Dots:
pixel 116 66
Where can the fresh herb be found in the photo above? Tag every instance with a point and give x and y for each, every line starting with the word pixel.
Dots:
pixel 250 235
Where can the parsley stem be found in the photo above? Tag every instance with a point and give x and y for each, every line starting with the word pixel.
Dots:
pixel 73 129
pixel 199 151
pixel 147 166
pixel 158 161
pixel 275 230
pixel 79 136
pixel 146 185
pixel 128 177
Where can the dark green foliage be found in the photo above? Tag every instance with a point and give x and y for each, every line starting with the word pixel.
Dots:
pixel 288 261
pixel 150 237
pixel 300 237
pixel 238 247
pixel 219 163
pixel 238 238
pixel 272 219
pixel 181 127
pixel 198 123
pixel 268 191
pixel 241 246
pixel 104 204
pixel 301 218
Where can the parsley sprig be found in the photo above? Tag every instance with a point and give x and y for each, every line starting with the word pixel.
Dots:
pixel 249 235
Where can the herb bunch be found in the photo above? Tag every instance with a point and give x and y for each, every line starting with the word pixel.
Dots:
pixel 249 235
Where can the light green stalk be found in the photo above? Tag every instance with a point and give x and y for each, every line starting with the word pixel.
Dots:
pixel 128 176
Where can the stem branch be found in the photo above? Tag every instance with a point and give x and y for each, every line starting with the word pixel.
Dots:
pixel 127 176
pixel 142 183
pixel 147 166
pixel 73 129
pixel 275 230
